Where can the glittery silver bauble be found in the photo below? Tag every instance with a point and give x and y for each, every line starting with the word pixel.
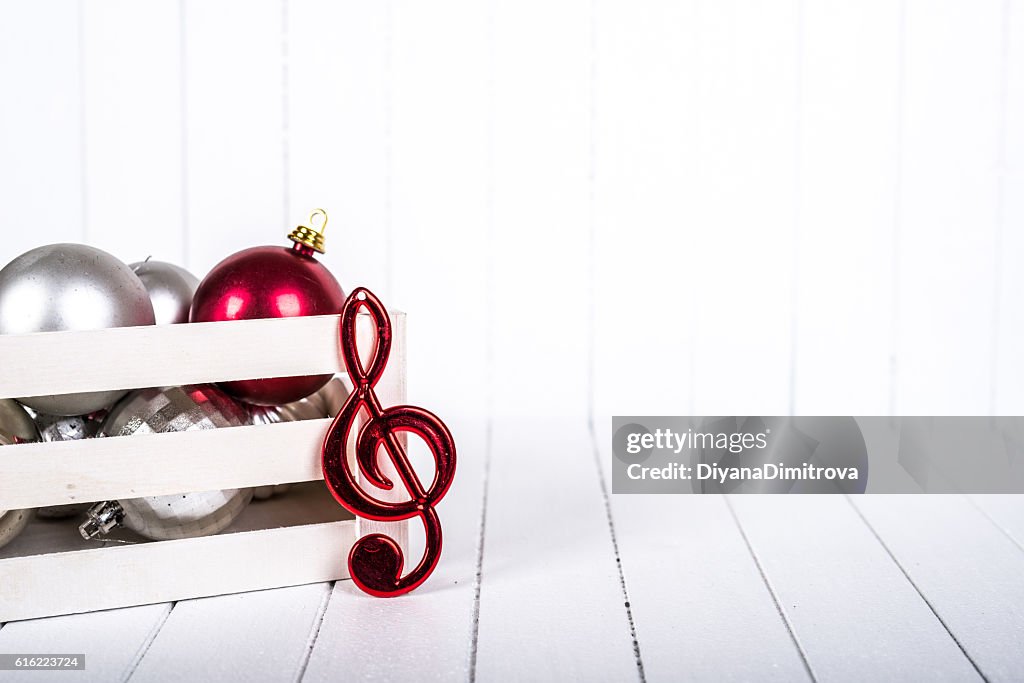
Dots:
pixel 70 287
pixel 314 407
pixel 62 428
pixel 69 428
pixel 15 426
pixel 170 288
pixel 175 409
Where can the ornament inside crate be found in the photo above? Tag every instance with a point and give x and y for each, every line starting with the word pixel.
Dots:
pixel 304 537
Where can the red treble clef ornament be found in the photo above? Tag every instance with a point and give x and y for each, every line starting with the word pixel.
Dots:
pixel 375 562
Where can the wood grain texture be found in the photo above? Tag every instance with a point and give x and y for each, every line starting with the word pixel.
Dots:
pixel 853 610
pixel 427 634
pixel 112 641
pixel 274 627
pixel 37 585
pixel 966 568
pixel 702 610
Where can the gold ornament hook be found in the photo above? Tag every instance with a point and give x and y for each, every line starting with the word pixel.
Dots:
pixel 322 229
pixel 312 237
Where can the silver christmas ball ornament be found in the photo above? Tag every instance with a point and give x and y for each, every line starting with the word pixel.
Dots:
pixel 333 396
pixel 170 288
pixel 67 428
pixel 70 287
pixel 314 407
pixel 12 523
pixel 310 408
pixel 16 426
pixel 174 409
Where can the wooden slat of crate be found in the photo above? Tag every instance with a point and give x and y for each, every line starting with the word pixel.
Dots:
pixel 104 578
pixel 51 583
pixel 169 355
pixel 41 474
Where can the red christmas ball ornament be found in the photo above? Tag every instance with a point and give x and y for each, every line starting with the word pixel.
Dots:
pixel 272 282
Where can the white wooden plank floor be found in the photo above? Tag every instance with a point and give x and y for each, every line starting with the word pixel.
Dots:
pixel 530 588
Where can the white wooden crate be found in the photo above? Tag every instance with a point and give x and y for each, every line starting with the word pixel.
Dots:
pixel 303 537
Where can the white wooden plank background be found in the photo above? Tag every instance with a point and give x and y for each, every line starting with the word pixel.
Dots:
pixel 440 95
pixel 550 585
pixel 1007 365
pixel 541 192
pixel 967 569
pixel 644 193
pixel 702 609
pixel 947 213
pixel 748 91
pixel 278 628
pixel 848 157
pixel 1007 513
pixel 856 614
pixel 232 147
pixel 589 209
pixel 131 66
pixel 41 179
pixel 114 640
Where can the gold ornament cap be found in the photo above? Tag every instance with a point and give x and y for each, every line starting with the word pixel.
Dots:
pixel 312 237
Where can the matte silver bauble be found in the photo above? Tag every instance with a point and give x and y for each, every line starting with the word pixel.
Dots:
pixel 70 287
pixel 170 288
pixel 174 409
pixel 16 426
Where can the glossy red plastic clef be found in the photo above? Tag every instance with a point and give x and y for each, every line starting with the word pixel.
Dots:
pixel 376 561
